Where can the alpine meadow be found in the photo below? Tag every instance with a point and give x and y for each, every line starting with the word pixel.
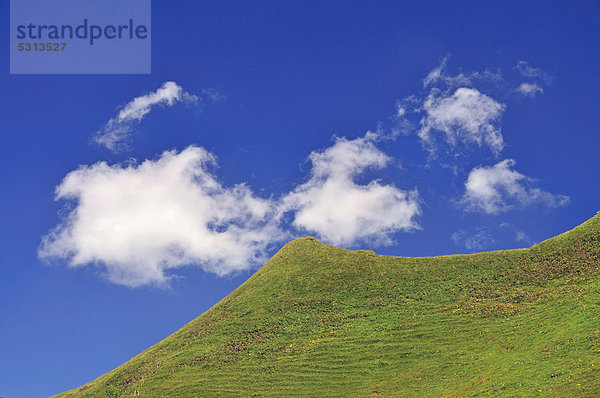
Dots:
pixel 317 320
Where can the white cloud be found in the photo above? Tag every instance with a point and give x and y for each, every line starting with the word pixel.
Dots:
pixel 499 188
pixel 332 205
pixel 118 129
pixel 466 116
pixel 140 221
pixel 530 89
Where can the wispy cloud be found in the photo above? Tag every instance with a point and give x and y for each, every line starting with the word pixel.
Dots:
pixel 528 71
pixel 465 116
pixel 140 221
pixel 116 131
pixel 436 73
pixel 486 237
pixel 438 76
pixel 530 89
pixel 340 211
pixel 479 240
pixel 499 188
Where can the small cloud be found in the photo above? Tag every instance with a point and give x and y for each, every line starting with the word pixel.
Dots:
pixel 530 89
pixel 499 188
pixel 340 211
pixel 466 116
pixel 477 241
pixel 521 236
pixel 119 128
pixel 139 222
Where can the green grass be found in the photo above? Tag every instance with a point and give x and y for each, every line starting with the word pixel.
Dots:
pixel 321 321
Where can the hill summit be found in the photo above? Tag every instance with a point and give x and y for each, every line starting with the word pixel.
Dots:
pixel 318 320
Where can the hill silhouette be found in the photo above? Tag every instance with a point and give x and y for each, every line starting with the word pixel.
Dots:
pixel 318 320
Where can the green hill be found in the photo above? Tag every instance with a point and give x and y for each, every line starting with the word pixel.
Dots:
pixel 317 320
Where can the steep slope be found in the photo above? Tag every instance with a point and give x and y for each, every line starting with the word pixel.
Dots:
pixel 317 320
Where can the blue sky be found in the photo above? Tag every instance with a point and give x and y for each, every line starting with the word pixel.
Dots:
pixel 410 128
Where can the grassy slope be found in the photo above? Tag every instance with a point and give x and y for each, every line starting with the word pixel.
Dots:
pixel 317 320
